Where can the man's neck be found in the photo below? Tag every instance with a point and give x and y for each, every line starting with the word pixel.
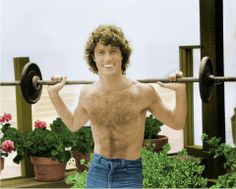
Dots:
pixel 112 83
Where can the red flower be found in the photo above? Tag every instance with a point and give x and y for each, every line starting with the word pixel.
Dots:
pixel 7 146
pixel 5 118
pixel 8 117
pixel 40 124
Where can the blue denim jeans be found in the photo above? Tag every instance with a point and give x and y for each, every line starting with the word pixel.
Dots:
pixel 114 173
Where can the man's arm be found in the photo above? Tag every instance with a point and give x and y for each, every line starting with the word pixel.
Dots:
pixel 74 121
pixel 174 118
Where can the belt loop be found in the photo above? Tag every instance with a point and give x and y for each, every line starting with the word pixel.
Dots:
pixel 99 159
pixel 123 163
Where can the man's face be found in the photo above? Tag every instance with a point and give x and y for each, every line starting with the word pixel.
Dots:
pixel 108 59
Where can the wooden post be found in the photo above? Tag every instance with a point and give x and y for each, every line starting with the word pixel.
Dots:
pixel 186 65
pixel 211 31
pixel 24 113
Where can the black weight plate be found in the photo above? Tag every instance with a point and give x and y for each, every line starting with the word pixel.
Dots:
pixel 205 82
pixel 30 93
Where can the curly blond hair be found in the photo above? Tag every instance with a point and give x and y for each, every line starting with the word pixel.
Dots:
pixel 107 35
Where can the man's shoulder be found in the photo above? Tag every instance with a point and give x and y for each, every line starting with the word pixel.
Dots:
pixel 143 87
pixel 145 92
pixel 87 89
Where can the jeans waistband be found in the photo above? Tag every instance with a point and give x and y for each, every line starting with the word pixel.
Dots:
pixel 123 162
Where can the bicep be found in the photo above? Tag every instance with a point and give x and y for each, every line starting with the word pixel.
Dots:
pixel 159 109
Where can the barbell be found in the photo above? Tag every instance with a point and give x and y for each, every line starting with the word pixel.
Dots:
pixel 31 81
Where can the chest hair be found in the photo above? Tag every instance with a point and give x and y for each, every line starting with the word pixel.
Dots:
pixel 111 110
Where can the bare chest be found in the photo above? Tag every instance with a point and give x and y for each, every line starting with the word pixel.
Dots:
pixel 115 109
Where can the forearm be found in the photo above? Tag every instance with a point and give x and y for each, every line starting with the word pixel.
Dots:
pixel 63 112
pixel 180 110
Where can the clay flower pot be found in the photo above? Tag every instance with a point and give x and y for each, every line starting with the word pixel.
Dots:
pixel 159 142
pixel 47 169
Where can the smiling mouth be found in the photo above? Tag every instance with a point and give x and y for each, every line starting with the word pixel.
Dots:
pixel 108 66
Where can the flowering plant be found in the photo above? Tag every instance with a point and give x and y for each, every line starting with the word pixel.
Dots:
pixel 42 142
pixel 11 138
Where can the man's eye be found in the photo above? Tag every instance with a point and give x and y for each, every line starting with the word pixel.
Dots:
pixel 114 51
pixel 100 52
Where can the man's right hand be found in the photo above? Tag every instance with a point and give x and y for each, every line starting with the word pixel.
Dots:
pixel 60 82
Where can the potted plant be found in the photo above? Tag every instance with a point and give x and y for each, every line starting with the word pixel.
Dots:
pixel 152 139
pixel 80 142
pixel 11 138
pixel 47 152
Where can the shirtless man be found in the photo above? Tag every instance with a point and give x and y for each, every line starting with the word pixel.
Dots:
pixel 116 107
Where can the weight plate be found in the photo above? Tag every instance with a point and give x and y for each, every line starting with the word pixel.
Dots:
pixel 206 83
pixel 30 92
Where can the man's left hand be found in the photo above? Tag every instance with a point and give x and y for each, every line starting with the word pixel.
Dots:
pixel 173 77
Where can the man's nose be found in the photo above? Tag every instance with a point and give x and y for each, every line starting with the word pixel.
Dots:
pixel 108 56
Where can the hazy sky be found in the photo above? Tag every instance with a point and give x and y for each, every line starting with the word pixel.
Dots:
pixel 53 33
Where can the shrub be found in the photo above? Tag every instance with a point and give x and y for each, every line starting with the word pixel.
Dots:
pixel 226 181
pixel 163 171
pixel 77 180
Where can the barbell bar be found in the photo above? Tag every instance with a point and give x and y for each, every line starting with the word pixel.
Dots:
pixel 31 81
pixel 217 80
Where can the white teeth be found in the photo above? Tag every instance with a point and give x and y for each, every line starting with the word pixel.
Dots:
pixel 108 66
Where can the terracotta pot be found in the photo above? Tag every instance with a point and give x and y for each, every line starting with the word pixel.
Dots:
pixel 159 142
pixel 2 164
pixel 46 169
pixel 78 157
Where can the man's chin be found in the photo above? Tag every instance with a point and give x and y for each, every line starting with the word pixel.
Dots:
pixel 109 72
